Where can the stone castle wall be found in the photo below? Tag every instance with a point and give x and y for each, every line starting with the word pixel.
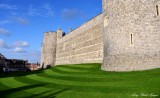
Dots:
pixel 48 49
pixel 132 35
pixel 126 36
pixel 83 45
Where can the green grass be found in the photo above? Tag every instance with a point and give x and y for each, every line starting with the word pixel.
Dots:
pixel 80 81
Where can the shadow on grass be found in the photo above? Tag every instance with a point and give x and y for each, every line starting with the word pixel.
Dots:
pixel 48 94
pixel 17 74
pixel 7 92
pixel 77 88
pixel 117 83
pixel 3 87
pixel 34 82
pixel 81 79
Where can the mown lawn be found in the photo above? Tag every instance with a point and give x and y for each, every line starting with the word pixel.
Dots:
pixel 81 81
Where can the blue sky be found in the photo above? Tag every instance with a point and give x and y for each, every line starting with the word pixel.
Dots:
pixel 23 22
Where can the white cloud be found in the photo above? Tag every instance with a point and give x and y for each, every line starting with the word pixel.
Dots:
pixel 16 19
pixel 3 44
pixel 69 14
pixel 45 10
pixel 33 11
pixel 20 44
pixel 20 20
pixel 4 32
pixel 49 11
pixel 17 46
pixel 14 13
pixel 2 22
pixel 19 50
pixel 8 6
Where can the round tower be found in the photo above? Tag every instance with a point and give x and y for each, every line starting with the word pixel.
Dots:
pixel 48 49
pixel 131 35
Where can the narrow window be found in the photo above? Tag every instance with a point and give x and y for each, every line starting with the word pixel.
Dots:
pixel 131 39
pixel 157 8
pixel 106 22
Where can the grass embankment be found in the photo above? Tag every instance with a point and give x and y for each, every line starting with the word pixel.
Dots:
pixel 81 81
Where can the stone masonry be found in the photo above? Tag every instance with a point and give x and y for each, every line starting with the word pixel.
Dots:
pixel 131 35
pixel 48 49
pixel 82 45
pixel 125 37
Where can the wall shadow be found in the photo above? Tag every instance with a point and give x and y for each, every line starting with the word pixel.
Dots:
pixel 48 94
pixel 7 92
pixel 18 74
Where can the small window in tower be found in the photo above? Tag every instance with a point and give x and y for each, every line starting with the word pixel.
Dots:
pixel 73 45
pixel 131 39
pixel 105 21
pixel 157 9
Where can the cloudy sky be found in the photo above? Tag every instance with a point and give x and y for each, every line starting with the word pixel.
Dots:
pixel 23 22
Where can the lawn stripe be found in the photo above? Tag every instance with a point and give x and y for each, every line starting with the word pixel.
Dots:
pixel 82 80
pixel 11 82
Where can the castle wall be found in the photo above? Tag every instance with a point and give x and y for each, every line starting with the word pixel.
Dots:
pixel 83 45
pixel 132 35
pixel 48 49
pixel 126 36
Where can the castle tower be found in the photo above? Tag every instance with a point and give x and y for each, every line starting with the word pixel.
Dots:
pixel 59 33
pixel 131 35
pixel 48 49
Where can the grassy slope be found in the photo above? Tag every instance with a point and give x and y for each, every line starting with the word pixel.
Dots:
pixel 80 81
